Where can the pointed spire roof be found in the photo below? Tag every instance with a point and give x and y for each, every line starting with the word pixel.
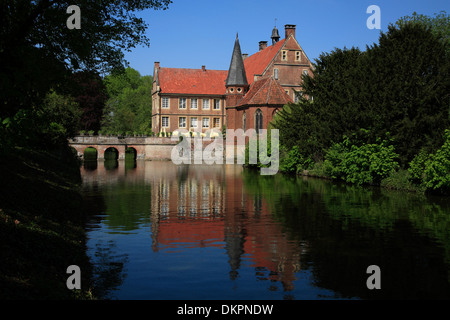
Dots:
pixel 236 73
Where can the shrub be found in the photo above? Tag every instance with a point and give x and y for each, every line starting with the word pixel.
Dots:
pixel 368 163
pixel 437 167
pixel 294 161
pixel 417 167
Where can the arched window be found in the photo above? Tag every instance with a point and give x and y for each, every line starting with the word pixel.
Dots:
pixel 258 120
pixel 243 121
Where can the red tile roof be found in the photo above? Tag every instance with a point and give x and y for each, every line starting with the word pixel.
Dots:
pixel 192 81
pixel 258 62
pixel 266 91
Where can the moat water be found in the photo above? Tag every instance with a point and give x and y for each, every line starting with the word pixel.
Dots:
pixel 161 231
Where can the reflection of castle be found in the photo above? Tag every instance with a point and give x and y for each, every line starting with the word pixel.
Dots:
pixel 207 207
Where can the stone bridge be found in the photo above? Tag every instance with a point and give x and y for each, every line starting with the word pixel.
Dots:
pixel 146 148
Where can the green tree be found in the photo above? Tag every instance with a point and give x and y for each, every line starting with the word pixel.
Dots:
pixel 56 119
pixel 410 88
pixel 128 108
pixel 439 24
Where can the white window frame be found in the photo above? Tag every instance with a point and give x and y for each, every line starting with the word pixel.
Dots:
pixel 165 102
pixel 194 105
pixel 276 73
pixel 203 122
pixel 205 103
pixel 284 55
pixel 298 56
pixel 162 122
pixel 216 104
pixel 182 103
pixel 214 124
pixel 180 120
pixel 196 122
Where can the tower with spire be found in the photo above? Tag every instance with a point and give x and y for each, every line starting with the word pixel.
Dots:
pixel 236 83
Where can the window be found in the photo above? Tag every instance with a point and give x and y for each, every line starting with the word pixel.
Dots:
pixel 165 103
pixel 205 103
pixel 243 121
pixel 194 103
pixel 216 122
pixel 305 72
pixel 182 103
pixel 275 74
pixel 258 120
pixel 193 122
pixel 297 56
pixel 182 122
pixel 165 122
pixel 216 104
pixel 297 95
pixel 205 122
pixel 284 55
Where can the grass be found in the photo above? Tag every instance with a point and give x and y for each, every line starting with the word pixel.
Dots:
pixel 41 226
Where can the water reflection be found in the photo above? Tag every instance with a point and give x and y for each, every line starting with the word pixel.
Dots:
pixel 236 234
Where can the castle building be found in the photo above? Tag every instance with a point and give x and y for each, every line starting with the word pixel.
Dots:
pixel 246 96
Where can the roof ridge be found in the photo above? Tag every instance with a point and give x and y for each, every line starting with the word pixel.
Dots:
pixel 199 69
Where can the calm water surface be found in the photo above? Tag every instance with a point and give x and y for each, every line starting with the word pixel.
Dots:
pixel 162 231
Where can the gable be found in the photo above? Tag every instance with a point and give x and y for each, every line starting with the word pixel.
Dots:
pixel 258 62
pixel 266 91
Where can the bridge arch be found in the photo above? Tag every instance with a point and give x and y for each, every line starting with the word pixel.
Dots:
pixel 118 149
pixel 90 153
pixel 111 153
pixel 131 153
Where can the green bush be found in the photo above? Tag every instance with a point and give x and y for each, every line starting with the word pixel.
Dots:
pixel 417 167
pixel 367 163
pixel 432 171
pixel 437 167
pixel 294 161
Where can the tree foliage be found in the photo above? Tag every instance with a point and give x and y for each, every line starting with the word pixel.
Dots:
pixel 432 171
pixel 439 24
pixel 129 107
pixel 89 91
pixel 366 163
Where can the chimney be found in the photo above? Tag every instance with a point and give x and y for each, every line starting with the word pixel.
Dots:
pixel 203 68
pixel 262 45
pixel 156 65
pixel 289 29
pixel 244 56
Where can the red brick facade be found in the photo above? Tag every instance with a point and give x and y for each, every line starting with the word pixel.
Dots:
pixel 179 94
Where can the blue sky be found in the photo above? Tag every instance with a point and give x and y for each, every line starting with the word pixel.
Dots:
pixel 192 33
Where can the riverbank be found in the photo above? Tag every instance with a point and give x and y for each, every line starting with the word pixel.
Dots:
pixel 398 180
pixel 41 226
